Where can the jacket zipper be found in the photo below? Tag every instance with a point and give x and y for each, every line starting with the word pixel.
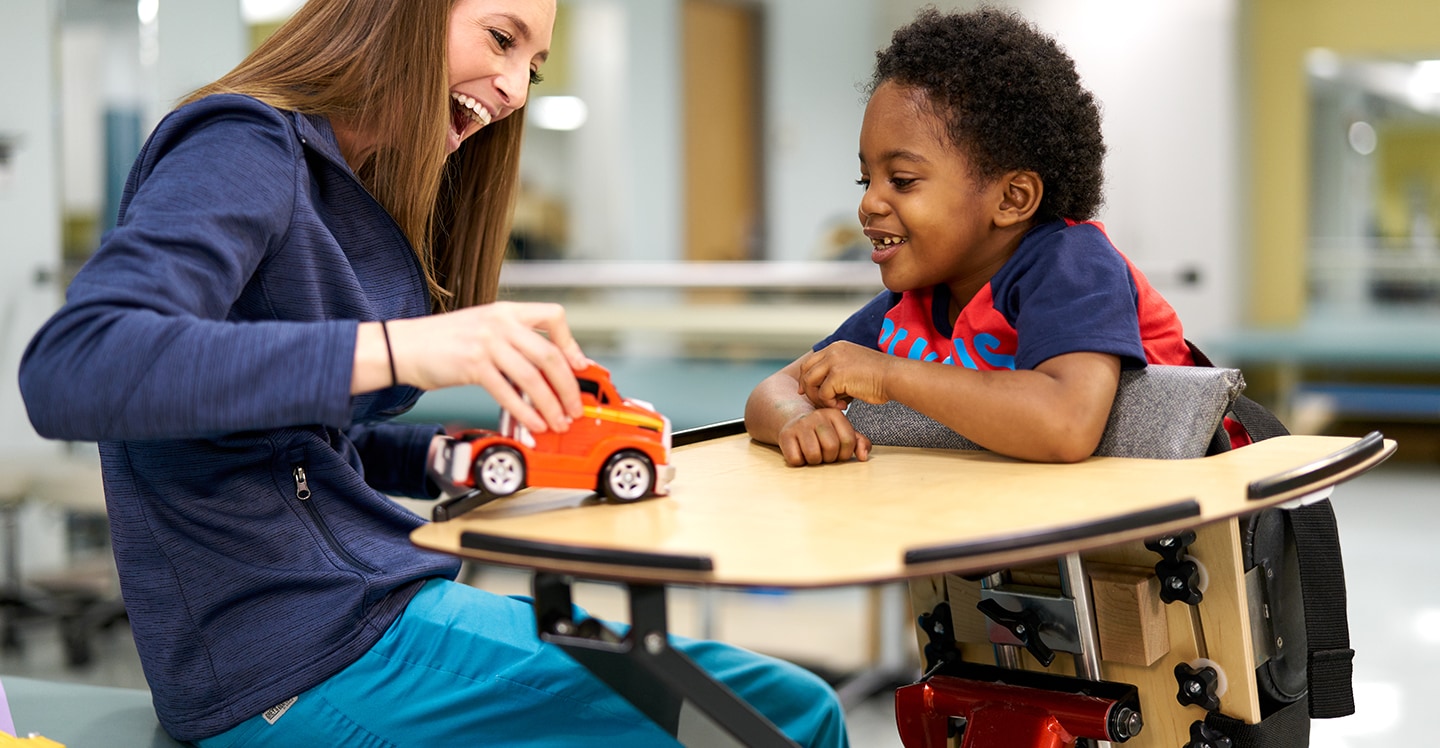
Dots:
pixel 348 173
pixel 302 493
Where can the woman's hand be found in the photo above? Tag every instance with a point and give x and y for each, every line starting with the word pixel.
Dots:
pixel 523 354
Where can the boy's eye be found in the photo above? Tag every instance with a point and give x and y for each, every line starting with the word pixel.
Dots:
pixel 863 182
pixel 901 183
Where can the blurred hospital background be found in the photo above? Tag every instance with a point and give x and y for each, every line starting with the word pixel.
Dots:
pixel 689 168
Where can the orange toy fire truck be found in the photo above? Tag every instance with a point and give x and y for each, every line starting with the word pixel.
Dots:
pixel 620 448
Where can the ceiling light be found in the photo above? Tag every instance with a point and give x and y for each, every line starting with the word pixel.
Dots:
pixel 1323 63
pixel 1363 138
pixel 268 11
pixel 1424 85
pixel 148 11
pixel 557 112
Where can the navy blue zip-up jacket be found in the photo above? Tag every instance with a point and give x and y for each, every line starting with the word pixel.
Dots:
pixel 208 347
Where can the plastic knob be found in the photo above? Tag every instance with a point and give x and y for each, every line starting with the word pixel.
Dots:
pixel 1023 625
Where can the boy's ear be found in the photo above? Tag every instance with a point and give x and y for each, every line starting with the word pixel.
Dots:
pixel 1020 194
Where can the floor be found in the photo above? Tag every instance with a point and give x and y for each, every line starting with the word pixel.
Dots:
pixel 1387 522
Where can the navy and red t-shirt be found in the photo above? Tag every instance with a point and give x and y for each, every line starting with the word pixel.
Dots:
pixel 1066 289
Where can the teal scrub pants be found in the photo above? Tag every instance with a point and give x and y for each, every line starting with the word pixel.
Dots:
pixel 465 667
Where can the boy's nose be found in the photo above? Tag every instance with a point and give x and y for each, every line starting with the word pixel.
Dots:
pixel 869 209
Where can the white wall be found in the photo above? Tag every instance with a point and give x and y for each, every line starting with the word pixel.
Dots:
pixel 627 168
pixel 626 199
pixel 29 249
pixel 197 42
pixel 29 203
pixel 817 56
pixel 1167 76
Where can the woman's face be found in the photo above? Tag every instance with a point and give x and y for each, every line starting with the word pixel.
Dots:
pixel 495 51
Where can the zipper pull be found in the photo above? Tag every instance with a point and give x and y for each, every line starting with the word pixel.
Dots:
pixel 302 488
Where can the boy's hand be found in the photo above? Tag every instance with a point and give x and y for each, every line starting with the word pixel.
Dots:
pixel 840 372
pixel 820 436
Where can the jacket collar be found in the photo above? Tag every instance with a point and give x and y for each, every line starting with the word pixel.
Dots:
pixel 317 135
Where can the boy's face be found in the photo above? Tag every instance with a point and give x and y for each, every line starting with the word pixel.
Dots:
pixel 929 220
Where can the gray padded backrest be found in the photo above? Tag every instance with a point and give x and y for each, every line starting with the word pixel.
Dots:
pixel 1160 412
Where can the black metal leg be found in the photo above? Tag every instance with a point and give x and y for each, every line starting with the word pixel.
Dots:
pixel 641 666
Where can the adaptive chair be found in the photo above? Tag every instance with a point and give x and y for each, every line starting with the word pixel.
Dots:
pixel 1228 635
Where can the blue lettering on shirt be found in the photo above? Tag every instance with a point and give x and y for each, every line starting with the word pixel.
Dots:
pixel 918 352
pixel 986 344
pixel 889 329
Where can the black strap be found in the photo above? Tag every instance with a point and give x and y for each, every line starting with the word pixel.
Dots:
pixel 1258 421
pixel 1322 583
pixel 1328 665
pixel 1286 728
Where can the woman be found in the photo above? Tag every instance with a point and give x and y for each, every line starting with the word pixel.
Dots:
pixel 302 248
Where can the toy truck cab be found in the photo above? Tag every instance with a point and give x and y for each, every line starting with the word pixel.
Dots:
pixel 619 447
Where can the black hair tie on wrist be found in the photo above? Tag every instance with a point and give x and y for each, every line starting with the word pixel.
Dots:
pixel 389 353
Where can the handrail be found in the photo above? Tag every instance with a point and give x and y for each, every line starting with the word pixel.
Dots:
pixel 1184 509
pixel 564 552
pixel 1317 471
pixel 708 432
pixel 588 274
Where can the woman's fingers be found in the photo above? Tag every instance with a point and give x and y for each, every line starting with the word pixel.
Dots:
pixel 511 400
pixel 523 354
pixel 552 393
pixel 550 318
pixel 542 360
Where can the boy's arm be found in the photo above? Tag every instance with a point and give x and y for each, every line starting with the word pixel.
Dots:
pixel 777 413
pixel 1053 413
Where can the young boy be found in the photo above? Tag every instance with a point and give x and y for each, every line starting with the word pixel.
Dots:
pixel 1008 317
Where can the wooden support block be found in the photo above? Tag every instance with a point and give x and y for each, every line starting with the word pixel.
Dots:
pixel 1044 575
pixel 970 624
pixel 1130 619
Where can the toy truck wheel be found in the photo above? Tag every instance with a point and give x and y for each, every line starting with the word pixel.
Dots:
pixel 500 471
pixel 628 476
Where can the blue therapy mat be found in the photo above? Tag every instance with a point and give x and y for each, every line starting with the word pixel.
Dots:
pixel 692 392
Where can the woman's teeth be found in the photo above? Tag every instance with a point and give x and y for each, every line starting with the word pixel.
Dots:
pixel 472 108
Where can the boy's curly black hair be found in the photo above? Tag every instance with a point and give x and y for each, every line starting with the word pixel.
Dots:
pixel 1011 98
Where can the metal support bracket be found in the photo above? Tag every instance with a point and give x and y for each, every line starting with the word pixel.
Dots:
pixel 642 667
pixel 1038 612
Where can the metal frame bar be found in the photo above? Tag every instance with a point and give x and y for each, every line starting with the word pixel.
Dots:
pixel 642 667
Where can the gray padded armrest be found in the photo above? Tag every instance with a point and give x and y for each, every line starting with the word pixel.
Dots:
pixel 1160 412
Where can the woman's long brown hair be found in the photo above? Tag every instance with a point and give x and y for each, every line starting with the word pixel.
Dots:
pixel 379 66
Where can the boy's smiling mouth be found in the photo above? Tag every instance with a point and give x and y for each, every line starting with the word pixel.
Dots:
pixel 885 245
